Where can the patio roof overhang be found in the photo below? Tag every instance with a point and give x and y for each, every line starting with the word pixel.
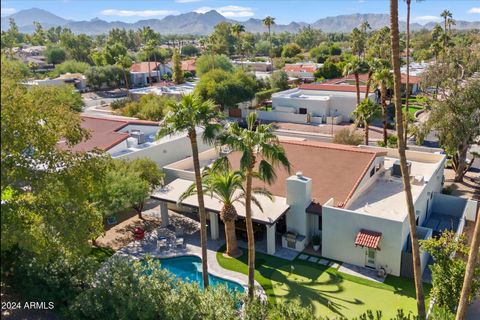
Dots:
pixel 272 209
pixel 369 239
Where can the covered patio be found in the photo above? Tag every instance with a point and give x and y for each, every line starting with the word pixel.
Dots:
pixel 265 222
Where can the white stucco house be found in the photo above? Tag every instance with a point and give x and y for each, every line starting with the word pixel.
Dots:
pixel 144 73
pixel 352 197
pixel 317 102
pixel 132 139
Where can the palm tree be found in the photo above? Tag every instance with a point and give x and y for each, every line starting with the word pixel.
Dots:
pixel 227 187
pixel 187 115
pixel 237 30
pixel 446 15
pixel 354 66
pixel 372 65
pixel 383 78
pixel 417 271
pixel 469 271
pixel 257 145
pixel 124 62
pixel 364 114
pixel 148 50
pixel 268 22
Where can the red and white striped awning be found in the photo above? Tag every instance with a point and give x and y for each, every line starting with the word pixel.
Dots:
pixel 369 239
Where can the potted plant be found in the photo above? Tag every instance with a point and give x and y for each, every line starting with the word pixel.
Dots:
pixel 316 242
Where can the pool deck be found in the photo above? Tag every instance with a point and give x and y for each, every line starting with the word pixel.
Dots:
pixel 148 247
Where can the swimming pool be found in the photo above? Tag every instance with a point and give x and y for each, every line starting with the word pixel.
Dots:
pixel 189 268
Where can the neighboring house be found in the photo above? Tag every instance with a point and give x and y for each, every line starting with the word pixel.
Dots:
pixel 169 89
pixel 352 197
pixel 316 102
pixel 414 80
pixel 144 73
pixel 302 71
pixel 78 80
pixel 259 66
pixel 187 66
pixel 131 139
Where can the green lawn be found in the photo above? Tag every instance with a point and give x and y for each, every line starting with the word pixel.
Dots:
pixel 330 292
pixel 412 109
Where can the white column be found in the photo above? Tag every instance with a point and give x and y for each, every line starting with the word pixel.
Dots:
pixel 164 213
pixel 271 238
pixel 214 225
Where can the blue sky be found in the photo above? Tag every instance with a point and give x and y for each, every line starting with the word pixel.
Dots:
pixel 284 11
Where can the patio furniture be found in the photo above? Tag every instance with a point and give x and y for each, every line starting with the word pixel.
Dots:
pixel 180 242
pixel 111 220
pixel 138 233
pixel 162 244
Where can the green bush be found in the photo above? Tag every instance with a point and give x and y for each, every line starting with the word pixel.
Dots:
pixel 265 95
pixel 71 66
pixel 118 104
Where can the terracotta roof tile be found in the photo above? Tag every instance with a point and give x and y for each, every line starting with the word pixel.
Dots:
pixel 103 133
pixel 143 67
pixel 367 238
pixel 335 170
pixel 333 87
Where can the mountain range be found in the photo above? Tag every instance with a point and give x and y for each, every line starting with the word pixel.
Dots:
pixel 203 23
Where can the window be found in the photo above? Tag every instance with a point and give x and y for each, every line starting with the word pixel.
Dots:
pixel 372 172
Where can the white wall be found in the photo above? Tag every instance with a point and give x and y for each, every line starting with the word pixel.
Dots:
pixel 282 116
pixel 299 197
pixel 167 152
pixel 340 228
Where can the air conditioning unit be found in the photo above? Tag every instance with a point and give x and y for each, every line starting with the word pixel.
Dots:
pixel 397 171
pixel 132 142
pixel 139 135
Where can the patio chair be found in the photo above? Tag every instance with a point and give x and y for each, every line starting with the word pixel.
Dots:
pixel 180 242
pixel 162 244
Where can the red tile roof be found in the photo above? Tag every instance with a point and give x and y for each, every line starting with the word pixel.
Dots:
pixel 333 87
pixel 369 239
pixel 143 67
pixel 300 68
pixel 336 170
pixel 189 65
pixel 104 133
pixel 363 77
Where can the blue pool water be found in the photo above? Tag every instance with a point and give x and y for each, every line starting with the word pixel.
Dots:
pixel 189 269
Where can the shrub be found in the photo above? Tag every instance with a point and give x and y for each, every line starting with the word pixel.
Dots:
pixel 71 66
pixel 265 95
pixel 118 104
pixel 347 136
pixel 279 80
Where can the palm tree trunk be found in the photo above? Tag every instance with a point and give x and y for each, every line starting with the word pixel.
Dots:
pixel 156 66
pixel 369 80
pixel 192 134
pixel 232 247
pixel 384 113
pixel 126 83
pixel 394 35
pixel 357 85
pixel 250 235
pixel 271 49
pixel 149 73
pixel 367 127
pixel 472 261
pixel 407 94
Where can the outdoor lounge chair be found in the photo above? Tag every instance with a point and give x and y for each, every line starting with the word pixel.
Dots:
pixel 180 242
pixel 162 244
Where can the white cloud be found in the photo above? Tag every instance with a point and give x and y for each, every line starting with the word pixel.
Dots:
pixel 229 11
pixel 474 10
pixel 6 11
pixel 187 1
pixel 426 19
pixel 132 13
